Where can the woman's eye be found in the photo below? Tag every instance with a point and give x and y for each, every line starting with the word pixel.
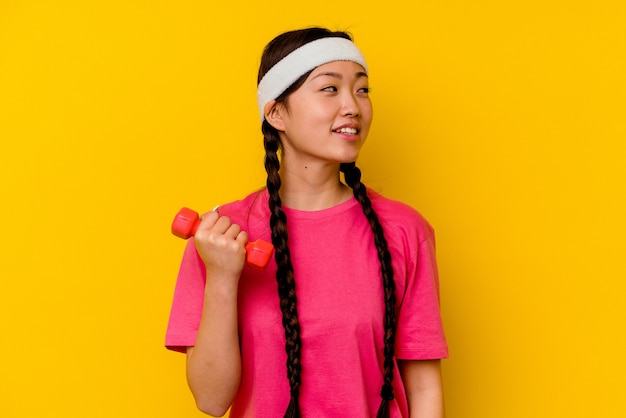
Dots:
pixel 330 88
pixel 365 90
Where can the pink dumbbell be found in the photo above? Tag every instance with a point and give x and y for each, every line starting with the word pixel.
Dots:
pixel 185 225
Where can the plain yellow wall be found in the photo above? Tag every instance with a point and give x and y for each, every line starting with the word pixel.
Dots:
pixel 503 122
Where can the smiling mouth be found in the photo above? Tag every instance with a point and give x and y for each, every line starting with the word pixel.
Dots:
pixel 352 131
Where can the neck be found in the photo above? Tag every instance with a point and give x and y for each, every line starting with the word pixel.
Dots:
pixel 312 187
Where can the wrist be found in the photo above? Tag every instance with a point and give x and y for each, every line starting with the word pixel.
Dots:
pixel 221 286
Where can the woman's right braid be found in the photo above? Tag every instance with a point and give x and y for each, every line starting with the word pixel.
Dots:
pixel 284 272
pixel 352 176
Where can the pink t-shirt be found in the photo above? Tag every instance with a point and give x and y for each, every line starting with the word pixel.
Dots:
pixel 340 308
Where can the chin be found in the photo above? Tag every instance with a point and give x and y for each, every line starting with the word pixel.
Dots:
pixel 349 158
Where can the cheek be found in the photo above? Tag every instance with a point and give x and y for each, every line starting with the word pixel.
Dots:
pixel 316 119
pixel 367 111
pixel 366 117
pixel 308 112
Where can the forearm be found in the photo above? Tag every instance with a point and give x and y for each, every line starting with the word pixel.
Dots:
pixel 214 364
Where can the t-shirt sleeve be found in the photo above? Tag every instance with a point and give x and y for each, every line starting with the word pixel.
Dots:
pixel 420 334
pixel 186 308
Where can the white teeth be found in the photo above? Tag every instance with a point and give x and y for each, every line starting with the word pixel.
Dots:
pixel 347 131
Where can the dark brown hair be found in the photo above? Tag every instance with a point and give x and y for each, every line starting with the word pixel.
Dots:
pixel 277 49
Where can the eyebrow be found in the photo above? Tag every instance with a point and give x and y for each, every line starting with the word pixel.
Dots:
pixel 338 75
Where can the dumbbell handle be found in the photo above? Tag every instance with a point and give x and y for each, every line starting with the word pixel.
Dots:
pixel 185 225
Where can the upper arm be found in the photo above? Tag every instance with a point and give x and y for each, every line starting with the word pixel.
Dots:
pixel 423 385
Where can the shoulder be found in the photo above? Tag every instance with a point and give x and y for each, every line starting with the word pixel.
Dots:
pixel 253 201
pixel 399 217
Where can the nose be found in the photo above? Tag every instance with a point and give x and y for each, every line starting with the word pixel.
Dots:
pixel 350 106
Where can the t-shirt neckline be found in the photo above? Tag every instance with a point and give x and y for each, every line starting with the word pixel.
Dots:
pixel 321 213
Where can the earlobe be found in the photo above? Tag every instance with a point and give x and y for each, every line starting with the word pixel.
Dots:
pixel 274 115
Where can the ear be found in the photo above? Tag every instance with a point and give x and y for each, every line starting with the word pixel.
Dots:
pixel 274 115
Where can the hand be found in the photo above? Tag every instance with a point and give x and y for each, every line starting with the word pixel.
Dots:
pixel 222 246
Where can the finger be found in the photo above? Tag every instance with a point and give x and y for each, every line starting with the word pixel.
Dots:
pixel 222 225
pixel 232 231
pixel 242 237
pixel 208 220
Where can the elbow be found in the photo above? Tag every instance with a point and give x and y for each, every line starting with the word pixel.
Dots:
pixel 214 392
pixel 213 402
pixel 211 408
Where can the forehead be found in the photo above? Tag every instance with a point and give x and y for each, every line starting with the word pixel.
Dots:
pixel 339 69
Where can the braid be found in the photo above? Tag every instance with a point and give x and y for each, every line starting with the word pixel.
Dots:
pixel 284 272
pixel 353 179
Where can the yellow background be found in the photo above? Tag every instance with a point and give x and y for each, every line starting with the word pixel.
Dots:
pixel 503 122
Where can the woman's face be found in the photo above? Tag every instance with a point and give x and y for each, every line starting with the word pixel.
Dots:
pixel 327 119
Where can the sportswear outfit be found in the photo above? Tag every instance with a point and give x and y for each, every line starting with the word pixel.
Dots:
pixel 340 307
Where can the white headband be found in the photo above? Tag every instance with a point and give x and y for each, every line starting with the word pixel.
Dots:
pixel 299 62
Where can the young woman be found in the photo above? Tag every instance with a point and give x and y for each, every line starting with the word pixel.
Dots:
pixel 345 321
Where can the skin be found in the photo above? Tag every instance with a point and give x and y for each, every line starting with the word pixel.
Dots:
pixel 214 364
pixel 334 96
pixel 423 385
